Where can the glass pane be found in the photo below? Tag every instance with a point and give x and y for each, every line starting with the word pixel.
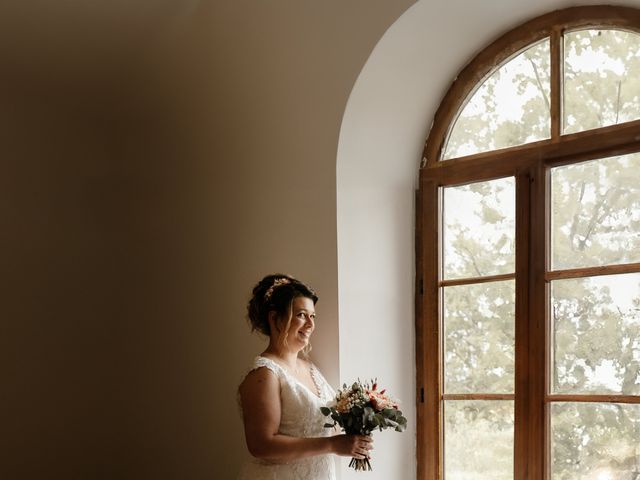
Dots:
pixel 479 229
pixel 601 78
pixel 509 108
pixel 596 212
pixel 596 335
pixel 478 440
pixel 479 338
pixel 591 441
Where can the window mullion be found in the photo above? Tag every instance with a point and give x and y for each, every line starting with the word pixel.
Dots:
pixel 537 421
pixel 429 450
pixel 522 417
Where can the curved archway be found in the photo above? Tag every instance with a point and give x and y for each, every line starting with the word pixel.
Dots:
pixel 382 136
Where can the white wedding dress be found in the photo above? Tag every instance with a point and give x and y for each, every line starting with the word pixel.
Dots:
pixel 300 417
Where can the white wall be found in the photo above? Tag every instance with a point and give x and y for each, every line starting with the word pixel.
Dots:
pixel 383 131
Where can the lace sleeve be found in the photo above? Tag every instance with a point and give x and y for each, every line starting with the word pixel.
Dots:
pixel 260 362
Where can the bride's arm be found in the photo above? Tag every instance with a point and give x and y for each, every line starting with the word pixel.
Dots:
pixel 260 397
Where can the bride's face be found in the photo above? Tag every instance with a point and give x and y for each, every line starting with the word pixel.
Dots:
pixel 303 323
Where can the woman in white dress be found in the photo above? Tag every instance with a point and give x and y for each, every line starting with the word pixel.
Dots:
pixel 282 394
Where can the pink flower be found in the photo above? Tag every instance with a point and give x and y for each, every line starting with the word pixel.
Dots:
pixel 379 400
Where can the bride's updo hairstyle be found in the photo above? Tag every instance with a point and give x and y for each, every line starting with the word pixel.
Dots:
pixel 276 293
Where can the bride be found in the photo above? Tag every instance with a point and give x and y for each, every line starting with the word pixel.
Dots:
pixel 281 396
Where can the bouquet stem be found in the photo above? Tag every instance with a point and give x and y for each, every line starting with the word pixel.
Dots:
pixel 360 465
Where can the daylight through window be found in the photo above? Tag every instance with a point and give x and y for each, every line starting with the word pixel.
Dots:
pixel 528 258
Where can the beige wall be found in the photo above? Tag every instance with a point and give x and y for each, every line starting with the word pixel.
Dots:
pixel 158 159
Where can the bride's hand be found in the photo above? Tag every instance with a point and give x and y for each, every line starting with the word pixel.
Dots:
pixel 356 446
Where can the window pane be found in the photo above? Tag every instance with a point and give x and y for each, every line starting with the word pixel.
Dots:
pixel 596 212
pixel 479 229
pixel 595 441
pixel 478 440
pixel 596 334
pixel 511 107
pixel 601 78
pixel 479 329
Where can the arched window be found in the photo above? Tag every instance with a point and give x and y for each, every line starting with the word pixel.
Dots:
pixel 528 257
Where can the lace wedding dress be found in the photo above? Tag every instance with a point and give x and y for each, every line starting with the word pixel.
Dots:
pixel 300 417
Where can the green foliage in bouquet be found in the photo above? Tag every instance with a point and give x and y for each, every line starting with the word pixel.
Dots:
pixel 361 409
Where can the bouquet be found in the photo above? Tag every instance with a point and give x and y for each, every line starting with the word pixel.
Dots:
pixel 359 410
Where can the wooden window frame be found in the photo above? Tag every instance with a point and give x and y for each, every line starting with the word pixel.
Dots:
pixel 530 165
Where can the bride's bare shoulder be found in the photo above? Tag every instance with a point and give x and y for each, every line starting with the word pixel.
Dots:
pixel 258 380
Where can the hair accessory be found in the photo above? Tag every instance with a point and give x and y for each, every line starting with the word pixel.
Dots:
pixel 278 282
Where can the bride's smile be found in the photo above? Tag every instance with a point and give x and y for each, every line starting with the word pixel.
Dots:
pixel 303 317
